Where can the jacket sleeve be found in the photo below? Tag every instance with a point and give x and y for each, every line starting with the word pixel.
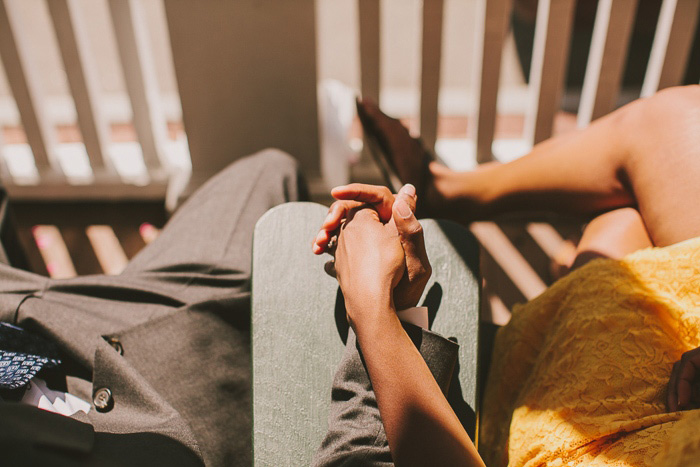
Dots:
pixel 355 432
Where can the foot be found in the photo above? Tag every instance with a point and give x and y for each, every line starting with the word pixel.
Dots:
pixel 406 155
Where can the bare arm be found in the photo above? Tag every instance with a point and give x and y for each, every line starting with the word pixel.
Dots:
pixel 420 425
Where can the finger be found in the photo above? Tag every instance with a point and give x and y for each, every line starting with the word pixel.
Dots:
pixel 380 197
pixel 320 242
pixel 408 194
pixel 411 236
pixel 336 213
pixel 671 391
pixel 329 267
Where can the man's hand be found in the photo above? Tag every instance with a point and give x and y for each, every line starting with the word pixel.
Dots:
pixel 683 391
pixel 397 210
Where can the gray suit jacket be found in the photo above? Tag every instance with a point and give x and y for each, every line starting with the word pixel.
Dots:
pixel 34 437
pixel 169 337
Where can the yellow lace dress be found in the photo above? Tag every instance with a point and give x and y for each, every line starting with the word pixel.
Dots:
pixel 579 375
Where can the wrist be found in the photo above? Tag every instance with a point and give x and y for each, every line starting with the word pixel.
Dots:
pixel 367 307
pixel 376 326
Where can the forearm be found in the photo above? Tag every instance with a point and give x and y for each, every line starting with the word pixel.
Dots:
pixel 420 425
pixel 580 172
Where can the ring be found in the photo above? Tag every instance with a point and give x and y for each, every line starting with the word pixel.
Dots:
pixel 332 243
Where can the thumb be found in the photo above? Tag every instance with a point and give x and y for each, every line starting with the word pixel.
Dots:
pixel 410 233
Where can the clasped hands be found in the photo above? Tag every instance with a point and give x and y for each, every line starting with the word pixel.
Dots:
pixel 379 257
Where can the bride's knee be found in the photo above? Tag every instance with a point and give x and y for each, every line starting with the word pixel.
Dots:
pixel 669 110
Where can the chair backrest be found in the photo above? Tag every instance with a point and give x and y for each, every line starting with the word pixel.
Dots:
pixel 298 321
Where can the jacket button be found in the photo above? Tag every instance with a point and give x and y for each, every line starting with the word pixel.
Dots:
pixel 116 345
pixel 103 400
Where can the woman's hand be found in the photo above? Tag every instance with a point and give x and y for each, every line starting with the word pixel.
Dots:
pixel 380 261
pixel 369 263
pixel 683 391
pixel 388 208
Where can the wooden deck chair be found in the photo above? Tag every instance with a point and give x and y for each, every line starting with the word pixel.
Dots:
pixel 298 328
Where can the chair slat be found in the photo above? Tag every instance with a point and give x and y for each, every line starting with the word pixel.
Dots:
pixel 430 70
pixel 369 15
pixel 22 78
pixel 606 59
pixel 82 76
pixel 5 174
pixel 491 29
pixel 549 58
pixel 138 64
pixel 672 43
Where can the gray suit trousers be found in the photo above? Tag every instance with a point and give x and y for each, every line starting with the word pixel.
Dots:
pixel 356 435
pixel 177 318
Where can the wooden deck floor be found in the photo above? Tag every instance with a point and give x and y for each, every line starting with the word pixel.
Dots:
pixel 66 239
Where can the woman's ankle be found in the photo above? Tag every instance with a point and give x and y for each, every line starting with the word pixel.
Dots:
pixel 455 195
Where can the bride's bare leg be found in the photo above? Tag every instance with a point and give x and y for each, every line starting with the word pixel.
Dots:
pixel 646 154
pixel 613 234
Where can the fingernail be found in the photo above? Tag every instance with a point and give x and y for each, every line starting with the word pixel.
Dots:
pixel 403 209
pixel 408 189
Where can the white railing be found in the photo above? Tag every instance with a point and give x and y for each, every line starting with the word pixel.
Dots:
pixel 96 167
pixel 219 131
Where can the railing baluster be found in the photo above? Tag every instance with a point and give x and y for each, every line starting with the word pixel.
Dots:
pixel 606 60
pixel 140 76
pixel 549 58
pixel 369 16
pixel 672 43
pixel 5 173
pixel 83 81
pixel 430 70
pixel 492 25
pixel 22 78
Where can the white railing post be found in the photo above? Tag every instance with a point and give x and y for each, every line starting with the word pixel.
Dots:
pixel 137 60
pixel 430 70
pixel 80 69
pixel 606 59
pixel 22 78
pixel 549 58
pixel 672 42
pixel 369 18
pixel 492 24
